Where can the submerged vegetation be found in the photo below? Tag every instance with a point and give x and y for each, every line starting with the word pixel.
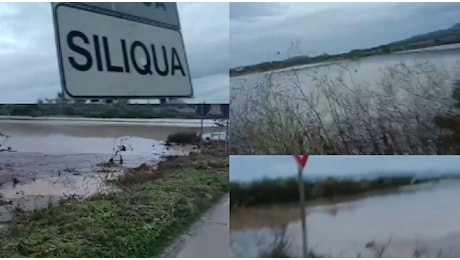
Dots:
pixel 281 247
pixel 183 137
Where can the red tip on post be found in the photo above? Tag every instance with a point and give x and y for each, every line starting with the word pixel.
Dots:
pixel 301 160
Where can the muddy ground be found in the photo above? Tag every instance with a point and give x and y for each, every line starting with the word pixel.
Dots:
pixel 49 161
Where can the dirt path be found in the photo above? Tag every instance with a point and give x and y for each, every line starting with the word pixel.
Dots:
pixel 208 237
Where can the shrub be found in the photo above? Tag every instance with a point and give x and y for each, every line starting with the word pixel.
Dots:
pixel 183 138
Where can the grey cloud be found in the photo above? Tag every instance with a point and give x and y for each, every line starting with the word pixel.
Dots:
pixel 335 28
pixel 251 10
pixel 249 168
pixel 207 40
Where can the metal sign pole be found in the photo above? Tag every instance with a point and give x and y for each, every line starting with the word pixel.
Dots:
pixel 302 212
pixel 226 137
pixel 201 133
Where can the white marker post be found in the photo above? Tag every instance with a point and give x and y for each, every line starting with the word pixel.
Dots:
pixel 301 162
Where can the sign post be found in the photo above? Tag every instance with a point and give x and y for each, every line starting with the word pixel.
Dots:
pixel 121 50
pixel 202 110
pixel 225 109
pixel 301 162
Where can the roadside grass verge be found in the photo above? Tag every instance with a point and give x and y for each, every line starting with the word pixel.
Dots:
pixel 141 221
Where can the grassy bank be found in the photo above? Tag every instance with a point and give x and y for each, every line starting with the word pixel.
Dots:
pixel 153 209
pixel 275 191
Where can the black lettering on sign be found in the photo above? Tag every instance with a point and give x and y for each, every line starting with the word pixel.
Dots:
pixel 157 5
pixel 165 71
pixel 125 55
pixel 160 60
pixel 178 66
pixel 147 67
pixel 97 50
pixel 108 61
pixel 78 49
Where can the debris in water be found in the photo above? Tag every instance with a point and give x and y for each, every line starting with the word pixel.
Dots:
pixel 15 181
pixel 370 244
pixel 8 149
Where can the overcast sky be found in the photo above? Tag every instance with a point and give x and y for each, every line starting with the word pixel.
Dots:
pixel 252 167
pixel 28 61
pixel 258 31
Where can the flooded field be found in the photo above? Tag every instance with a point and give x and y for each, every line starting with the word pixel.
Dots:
pixel 406 71
pixel 348 107
pixel 54 159
pixel 422 219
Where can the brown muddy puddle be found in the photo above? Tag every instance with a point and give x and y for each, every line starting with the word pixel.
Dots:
pixel 52 162
pixel 426 219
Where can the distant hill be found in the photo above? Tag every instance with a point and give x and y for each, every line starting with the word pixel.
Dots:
pixel 439 34
pixel 435 38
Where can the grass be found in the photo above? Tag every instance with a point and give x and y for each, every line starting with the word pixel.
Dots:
pixel 141 221
pixel 285 190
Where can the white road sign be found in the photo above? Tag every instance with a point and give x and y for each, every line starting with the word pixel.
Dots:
pixel 121 50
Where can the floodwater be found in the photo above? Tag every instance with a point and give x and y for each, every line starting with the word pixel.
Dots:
pixel 424 218
pixel 421 68
pixel 56 159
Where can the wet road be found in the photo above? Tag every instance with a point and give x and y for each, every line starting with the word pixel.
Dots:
pixel 208 238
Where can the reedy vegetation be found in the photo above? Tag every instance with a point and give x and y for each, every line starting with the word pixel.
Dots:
pixel 398 114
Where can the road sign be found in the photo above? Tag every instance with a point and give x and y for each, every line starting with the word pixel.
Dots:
pixel 121 50
pixel 301 160
pixel 163 14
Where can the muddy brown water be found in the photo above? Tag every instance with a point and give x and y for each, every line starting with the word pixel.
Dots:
pixel 425 218
pixel 55 159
